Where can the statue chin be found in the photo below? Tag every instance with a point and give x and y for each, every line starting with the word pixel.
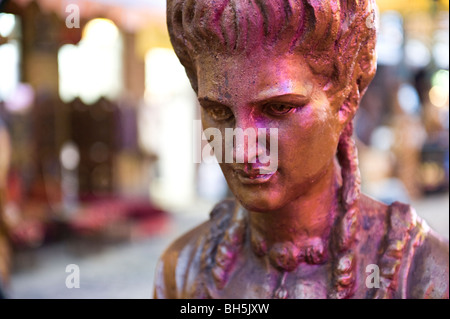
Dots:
pixel 258 206
pixel 261 203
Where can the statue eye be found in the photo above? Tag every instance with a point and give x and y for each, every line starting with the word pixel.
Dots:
pixel 220 113
pixel 279 108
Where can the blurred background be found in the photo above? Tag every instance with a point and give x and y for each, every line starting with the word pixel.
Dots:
pixel 97 139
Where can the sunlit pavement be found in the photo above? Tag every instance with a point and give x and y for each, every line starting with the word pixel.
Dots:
pixel 126 270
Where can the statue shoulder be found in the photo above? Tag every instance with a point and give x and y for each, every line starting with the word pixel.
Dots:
pixel 180 264
pixel 171 269
pixel 412 258
pixel 373 214
pixel 428 275
pixel 418 254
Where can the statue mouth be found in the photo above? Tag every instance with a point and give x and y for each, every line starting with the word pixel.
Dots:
pixel 254 175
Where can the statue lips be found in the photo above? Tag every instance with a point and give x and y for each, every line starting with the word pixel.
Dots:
pixel 254 175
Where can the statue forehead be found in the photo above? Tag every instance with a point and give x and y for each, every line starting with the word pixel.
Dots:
pixel 258 76
pixel 273 63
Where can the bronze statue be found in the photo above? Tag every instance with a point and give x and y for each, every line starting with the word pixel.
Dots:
pixel 305 230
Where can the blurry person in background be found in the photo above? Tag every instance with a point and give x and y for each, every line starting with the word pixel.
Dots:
pixel 5 152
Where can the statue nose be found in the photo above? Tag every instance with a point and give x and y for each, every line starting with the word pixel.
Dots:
pixel 247 151
pixel 249 142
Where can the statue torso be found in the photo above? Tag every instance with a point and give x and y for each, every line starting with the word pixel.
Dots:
pixel 391 238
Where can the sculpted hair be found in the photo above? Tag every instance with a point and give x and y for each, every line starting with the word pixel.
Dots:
pixel 337 38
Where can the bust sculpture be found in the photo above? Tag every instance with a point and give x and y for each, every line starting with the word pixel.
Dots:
pixel 303 230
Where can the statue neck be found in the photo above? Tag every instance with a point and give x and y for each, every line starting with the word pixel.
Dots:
pixel 305 223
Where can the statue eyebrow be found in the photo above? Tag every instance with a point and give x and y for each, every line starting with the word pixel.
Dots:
pixel 289 98
pixel 204 101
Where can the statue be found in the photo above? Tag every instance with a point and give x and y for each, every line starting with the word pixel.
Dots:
pixel 303 230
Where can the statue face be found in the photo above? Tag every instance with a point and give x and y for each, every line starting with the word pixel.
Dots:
pixel 270 91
